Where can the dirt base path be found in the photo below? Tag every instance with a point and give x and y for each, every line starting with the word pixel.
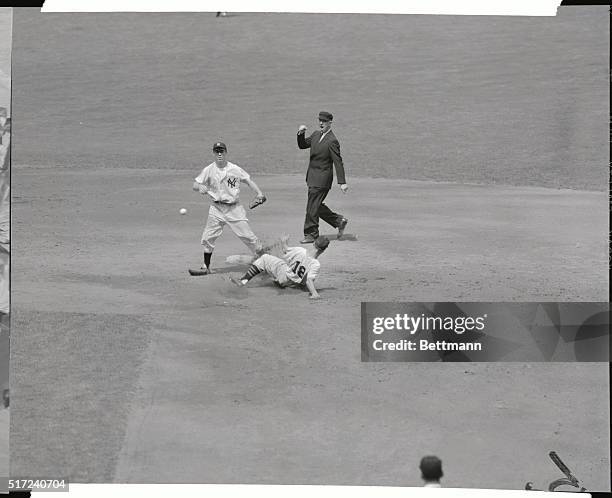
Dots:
pixel 127 369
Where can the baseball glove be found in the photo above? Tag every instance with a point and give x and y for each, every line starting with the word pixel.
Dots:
pixel 258 201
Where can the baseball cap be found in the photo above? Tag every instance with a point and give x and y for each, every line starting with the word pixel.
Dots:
pixel 326 116
pixel 321 242
pixel 219 146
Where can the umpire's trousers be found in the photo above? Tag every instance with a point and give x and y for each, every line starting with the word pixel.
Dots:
pixel 315 209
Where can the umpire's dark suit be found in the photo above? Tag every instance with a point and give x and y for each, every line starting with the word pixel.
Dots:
pixel 319 178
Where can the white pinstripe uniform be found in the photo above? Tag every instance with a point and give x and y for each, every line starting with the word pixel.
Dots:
pixel 295 267
pixel 223 185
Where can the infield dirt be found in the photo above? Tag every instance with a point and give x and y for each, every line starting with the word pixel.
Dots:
pixel 176 378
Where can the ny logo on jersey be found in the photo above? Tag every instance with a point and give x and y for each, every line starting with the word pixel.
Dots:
pixel 232 182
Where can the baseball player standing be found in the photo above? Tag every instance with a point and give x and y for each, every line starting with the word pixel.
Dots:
pixel 297 267
pixel 324 153
pixel 220 181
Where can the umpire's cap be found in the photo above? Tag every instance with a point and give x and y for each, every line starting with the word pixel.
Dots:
pixel 431 468
pixel 219 146
pixel 321 242
pixel 326 116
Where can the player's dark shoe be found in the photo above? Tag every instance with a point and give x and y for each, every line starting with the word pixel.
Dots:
pixel 199 272
pixel 308 239
pixel 341 227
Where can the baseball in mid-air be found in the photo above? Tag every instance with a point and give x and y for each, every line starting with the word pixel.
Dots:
pixel 183 211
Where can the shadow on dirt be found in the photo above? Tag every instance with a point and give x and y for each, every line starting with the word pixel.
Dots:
pixel 346 237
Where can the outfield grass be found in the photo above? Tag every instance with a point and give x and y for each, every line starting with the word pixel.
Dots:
pixel 5 56
pixel 518 100
pixel 75 405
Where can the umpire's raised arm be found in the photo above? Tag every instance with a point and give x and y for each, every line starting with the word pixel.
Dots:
pixel 302 140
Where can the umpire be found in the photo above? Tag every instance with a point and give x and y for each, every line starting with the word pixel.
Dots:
pixel 324 153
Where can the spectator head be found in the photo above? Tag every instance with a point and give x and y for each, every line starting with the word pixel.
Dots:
pixel 431 468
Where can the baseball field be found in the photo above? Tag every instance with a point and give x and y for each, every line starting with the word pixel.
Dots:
pixel 477 162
